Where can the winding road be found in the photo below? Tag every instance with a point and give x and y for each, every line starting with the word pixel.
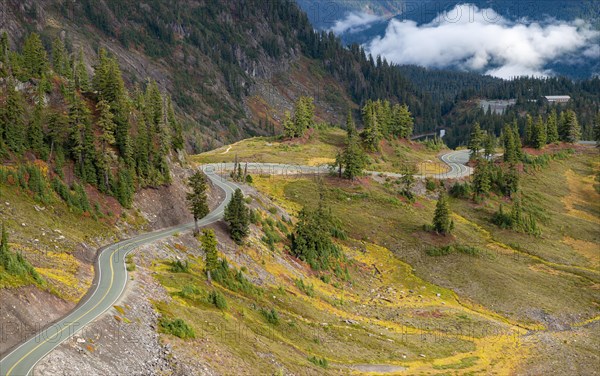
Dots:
pixel 111 273
pixel 456 160
pixel 111 279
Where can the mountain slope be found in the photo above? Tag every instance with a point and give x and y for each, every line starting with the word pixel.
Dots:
pixel 215 57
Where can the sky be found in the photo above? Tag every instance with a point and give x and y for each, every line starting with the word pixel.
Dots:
pixel 481 40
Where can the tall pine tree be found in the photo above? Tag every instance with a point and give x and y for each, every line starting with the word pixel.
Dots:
pixel 442 220
pixel 237 217
pixel 197 199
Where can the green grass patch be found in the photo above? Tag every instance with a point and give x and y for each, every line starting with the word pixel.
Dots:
pixel 177 327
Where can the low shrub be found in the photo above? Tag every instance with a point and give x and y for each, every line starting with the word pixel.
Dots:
pixel 177 327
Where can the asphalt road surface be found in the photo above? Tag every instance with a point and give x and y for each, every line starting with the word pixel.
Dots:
pixel 107 288
pixel 456 160
pixel 112 273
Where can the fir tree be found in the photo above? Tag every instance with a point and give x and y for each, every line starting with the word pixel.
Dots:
pixel 371 135
pixel 125 185
pixel 81 76
pixel 312 237
pixel 304 115
pixel 175 127
pixel 402 121
pixel 571 128
pixel 4 60
pixel 35 132
pixel 552 127
pixel 538 134
pixel 289 129
pixel 518 144
pixel 237 217
pixel 211 255
pixel 350 125
pixel 13 123
pixel 489 146
pixel 107 137
pixel 511 183
pixel 481 179
pixel 528 133
pixel 34 56
pixel 442 220
pixel 59 57
pixel 197 200
pixel 508 140
pixel 352 160
pixel 476 140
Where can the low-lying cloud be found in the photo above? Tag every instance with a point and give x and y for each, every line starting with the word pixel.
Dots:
pixel 354 22
pixel 481 40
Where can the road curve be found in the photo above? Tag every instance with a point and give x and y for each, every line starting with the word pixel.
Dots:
pixel 456 160
pixel 110 281
pixel 112 273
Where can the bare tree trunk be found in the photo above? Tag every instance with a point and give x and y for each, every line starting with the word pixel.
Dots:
pixel 196 229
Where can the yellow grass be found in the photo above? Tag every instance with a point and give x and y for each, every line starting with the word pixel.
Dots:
pixel 582 193
pixel 589 250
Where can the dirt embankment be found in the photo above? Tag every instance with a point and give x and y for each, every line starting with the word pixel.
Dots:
pixel 166 206
pixel 24 311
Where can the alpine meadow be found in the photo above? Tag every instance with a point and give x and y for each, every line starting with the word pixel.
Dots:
pixel 299 187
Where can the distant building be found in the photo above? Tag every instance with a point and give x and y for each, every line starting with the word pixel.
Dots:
pixel 552 99
pixel 496 106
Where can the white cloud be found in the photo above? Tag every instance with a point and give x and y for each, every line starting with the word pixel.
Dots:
pixel 481 40
pixel 354 22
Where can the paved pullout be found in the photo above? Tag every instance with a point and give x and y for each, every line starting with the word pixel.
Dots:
pixel 107 288
pixel 112 273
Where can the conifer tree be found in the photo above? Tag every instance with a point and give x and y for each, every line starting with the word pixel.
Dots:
pixel 442 220
pixel 518 144
pixel 512 180
pixel 12 118
pixel 237 217
pixel 508 141
pixel 80 132
pixel 552 127
pixel 352 159
pixel 34 56
pixel 528 133
pixel 350 125
pixel 476 141
pixel 304 115
pixel 4 60
pixel 516 213
pixel 59 57
pixel 107 137
pixel 538 134
pixel 571 127
pixel 35 133
pixel 402 121
pixel 175 127
pixel 125 185
pixel 482 181
pixel 211 255
pixel 289 129
pixel 371 135
pixel 197 199
pixel 489 146
pixel 81 76
pixel 142 149
pixel 383 111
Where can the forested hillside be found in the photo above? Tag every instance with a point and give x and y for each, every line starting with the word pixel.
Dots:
pixel 52 110
pixel 213 57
